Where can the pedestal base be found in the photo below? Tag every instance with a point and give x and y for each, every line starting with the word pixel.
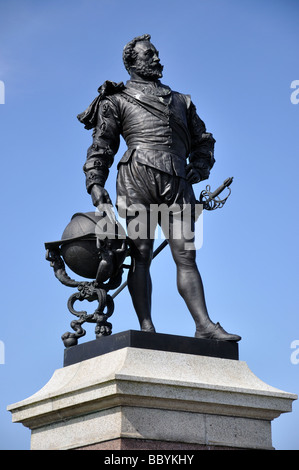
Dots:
pixel 136 398
pixel 155 341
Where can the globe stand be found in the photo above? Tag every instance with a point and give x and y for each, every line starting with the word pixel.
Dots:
pixel 104 257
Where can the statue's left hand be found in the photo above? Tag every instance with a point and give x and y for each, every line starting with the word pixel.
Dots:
pixel 192 174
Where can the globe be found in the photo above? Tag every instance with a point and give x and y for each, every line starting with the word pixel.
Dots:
pixel 84 239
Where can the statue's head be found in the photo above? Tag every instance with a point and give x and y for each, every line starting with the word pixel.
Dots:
pixel 142 58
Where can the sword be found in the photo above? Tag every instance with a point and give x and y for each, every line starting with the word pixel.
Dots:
pixel 209 200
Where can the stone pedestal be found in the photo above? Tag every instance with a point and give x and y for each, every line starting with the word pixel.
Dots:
pixel 140 398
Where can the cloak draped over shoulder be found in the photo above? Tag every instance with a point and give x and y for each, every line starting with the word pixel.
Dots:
pixel 89 116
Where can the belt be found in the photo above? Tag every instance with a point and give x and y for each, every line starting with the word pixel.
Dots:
pixel 158 147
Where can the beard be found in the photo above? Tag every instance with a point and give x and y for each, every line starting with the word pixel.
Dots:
pixel 149 71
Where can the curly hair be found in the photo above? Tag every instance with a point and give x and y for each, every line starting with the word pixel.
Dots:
pixel 129 54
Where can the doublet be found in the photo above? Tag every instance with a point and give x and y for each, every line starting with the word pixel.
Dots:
pixel 160 127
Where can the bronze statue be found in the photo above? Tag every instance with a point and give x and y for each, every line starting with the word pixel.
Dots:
pixel 169 149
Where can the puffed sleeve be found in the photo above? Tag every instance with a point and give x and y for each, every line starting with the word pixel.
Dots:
pixel 106 140
pixel 202 144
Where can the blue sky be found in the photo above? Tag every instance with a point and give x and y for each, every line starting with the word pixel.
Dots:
pixel 237 60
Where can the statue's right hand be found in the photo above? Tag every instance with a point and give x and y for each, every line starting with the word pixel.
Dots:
pixel 99 195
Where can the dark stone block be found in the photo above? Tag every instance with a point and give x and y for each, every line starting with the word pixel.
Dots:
pixel 155 341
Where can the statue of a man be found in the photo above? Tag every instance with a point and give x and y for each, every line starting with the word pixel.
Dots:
pixel 169 149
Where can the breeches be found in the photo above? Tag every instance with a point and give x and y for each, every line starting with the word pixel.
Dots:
pixel 142 184
pixel 147 197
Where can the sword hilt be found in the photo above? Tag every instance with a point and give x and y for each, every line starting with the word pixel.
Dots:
pixel 210 200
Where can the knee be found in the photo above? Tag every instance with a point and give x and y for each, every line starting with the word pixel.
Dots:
pixel 143 253
pixel 183 257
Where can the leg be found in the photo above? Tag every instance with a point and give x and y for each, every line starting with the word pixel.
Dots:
pixel 139 281
pixel 191 289
pixel 189 283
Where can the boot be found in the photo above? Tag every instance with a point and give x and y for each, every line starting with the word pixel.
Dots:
pixel 216 332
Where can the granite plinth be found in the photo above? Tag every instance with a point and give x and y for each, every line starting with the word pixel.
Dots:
pixel 147 340
pixel 148 398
